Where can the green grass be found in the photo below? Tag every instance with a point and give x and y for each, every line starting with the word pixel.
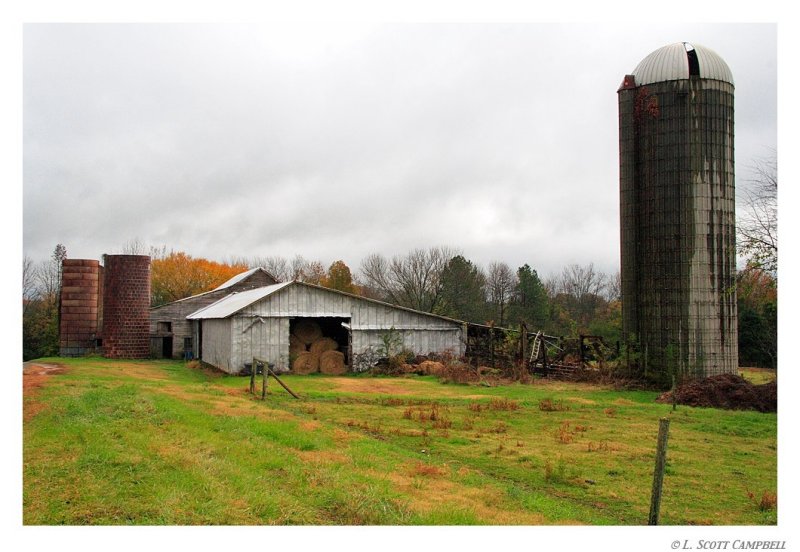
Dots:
pixel 113 442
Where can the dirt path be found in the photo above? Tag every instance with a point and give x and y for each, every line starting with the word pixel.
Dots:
pixel 34 376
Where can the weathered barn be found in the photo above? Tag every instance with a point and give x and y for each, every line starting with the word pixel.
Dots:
pixel 171 332
pixel 259 323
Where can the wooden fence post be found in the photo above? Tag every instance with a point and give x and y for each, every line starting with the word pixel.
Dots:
pixel 253 377
pixel 265 372
pixel 658 474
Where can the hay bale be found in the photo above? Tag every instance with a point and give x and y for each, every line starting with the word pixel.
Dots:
pixel 332 363
pixel 307 331
pixel 305 363
pixel 295 345
pixel 431 367
pixel 323 344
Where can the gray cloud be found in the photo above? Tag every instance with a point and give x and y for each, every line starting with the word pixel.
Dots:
pixel 332 142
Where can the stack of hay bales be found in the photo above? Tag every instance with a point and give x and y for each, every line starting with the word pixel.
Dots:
pixel 314 352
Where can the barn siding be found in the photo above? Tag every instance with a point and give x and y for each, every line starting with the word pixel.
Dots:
pixel 269 339
pixel 217 345
pixel 262 337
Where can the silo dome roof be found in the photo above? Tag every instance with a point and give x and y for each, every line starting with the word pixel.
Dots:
pixel 680 60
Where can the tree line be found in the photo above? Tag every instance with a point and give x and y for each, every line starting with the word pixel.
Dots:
pixel 578 300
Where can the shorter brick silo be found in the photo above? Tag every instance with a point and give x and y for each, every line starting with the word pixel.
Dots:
pixel 126 306
pixel 80 306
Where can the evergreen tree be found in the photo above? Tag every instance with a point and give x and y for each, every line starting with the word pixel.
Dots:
pixel 463 291
pixel 530 303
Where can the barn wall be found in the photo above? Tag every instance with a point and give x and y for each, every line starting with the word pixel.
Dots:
pixel 265 338
pixel 176 313
pixel 420 342
pixel 421 333
pixel 217 349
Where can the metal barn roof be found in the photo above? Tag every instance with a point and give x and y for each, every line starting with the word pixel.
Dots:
pixel 233 303
pixel 239 277
pixel 672 63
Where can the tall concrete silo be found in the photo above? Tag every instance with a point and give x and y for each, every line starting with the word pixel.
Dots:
pixel 126 306
pixel 678 240
pixel 80 306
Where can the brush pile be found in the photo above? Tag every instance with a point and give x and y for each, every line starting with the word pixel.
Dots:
pixel 313 352
pixel 727 391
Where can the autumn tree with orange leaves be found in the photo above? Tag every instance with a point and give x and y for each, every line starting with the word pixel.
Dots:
pixel 339 278
pixel 180 275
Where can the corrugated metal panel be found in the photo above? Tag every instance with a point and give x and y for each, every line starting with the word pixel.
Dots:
pixel 217 345
pixel 235 302
pixel 671 63
pixel 244 275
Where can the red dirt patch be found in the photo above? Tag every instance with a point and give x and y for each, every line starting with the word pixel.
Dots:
pixel 726 391
pixel 34 376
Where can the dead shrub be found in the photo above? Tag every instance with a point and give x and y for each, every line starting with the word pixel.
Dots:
pixel 501 427
pixel 768 501
pixel 442 423
pixel 426 470
pixel 455 371
pixel 602 446
pixel 610 412
pixel 475 406
pixel 549 405
pixel 563 434
pixel 467 424
pixel 392 401
pixel 503 404
pixel 408 413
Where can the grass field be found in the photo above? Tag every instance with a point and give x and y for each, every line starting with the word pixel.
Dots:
pixel 157 442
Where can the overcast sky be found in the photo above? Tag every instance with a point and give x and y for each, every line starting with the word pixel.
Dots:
pixel 334 141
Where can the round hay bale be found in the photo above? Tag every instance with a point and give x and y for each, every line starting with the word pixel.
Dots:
pixel 323 344
pixel 431 367
pixel 305 363
pixel 307 331
pixel 332 363
pixel 295 345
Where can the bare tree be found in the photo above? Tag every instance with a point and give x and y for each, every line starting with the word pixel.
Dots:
pixel 277 266
pixel 613 289
pixel 134 246
pixel 500 284
pixel 580 289
pixel 29 287
pixel 374 277
pixel 579 281
pixel 757 227
pixel 413 280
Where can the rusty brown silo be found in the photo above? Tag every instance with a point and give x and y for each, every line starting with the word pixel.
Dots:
pixel 677 210
pixel 80 306
pixel 126 306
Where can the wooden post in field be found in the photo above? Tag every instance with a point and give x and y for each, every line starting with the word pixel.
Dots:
pixel 658 474
pixel 253 377
pixel 265 373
